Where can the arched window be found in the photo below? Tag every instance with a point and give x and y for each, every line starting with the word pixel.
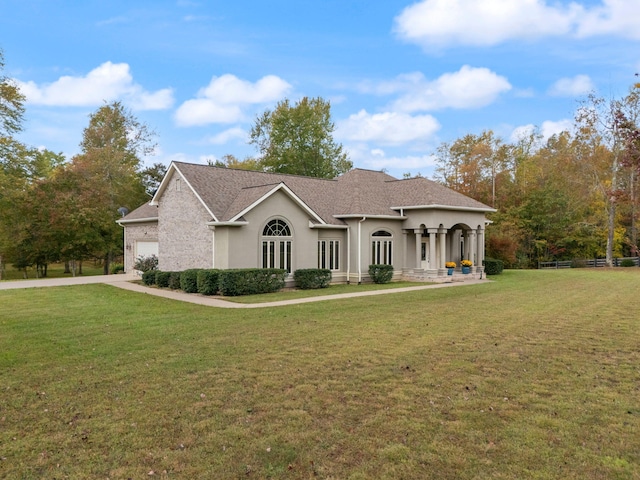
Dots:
pixel 277 243
pixel 382 247
pixel 276 228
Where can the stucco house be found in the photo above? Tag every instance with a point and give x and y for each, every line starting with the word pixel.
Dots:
pixel 212 217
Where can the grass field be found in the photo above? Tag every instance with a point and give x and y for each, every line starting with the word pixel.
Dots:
pixel 535 375
pixel 55 270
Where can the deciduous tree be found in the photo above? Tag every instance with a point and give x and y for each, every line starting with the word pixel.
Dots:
pixel 108 170
pixel 299 140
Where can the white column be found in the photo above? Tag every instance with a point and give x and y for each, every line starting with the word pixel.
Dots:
pixel 442 245
pixel 454 246
pixel 432 248
pixel 472 247
pixel 480 246
pixel 418 234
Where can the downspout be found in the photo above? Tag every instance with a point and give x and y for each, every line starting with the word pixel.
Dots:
pixel 348 255
pixel 360 250
pixel 213 247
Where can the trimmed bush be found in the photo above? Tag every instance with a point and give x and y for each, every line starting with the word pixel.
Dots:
pixel 162 278
pixel 208 281
pixel 381 273
pixel 312 278
pixel 116 268
pixel 627 262
pixel 493 266
pixel 149 277
pixel 251 281
pixel 189 280
pixel 174 280
pixel 144 264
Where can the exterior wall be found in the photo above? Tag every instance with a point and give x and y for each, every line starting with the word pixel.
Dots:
pixel 360 247
pixel 339 275
pixel 137 232
pixel 185 241
pixel 244 243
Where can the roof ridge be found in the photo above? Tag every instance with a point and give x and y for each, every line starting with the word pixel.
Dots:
pixel 254 171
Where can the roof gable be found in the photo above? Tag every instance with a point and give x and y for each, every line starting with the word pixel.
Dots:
pixel 260 194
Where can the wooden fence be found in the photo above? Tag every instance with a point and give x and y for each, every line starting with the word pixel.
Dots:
pixel 588 263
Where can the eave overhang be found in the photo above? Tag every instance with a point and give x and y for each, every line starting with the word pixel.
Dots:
pixel 446 207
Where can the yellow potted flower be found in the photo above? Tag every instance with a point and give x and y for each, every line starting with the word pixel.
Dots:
pixel 450 266
pixel 466 266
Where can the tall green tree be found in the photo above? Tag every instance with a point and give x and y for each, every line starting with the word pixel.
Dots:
pixel 298 139
pixel 13 172
pixel 108 173
pixel 11 104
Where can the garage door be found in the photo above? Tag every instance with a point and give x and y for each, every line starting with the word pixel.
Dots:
pixel 146 249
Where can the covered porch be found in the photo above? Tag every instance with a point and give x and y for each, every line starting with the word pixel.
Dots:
pixel 428 249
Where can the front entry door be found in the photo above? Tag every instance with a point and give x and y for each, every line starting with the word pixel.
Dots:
pixel 424 254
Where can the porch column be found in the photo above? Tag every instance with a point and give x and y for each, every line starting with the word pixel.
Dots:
pixel 472 247
pixel 480 246
pixel 432 248
pixel 418 234
pixel 454 246
pixel 442 244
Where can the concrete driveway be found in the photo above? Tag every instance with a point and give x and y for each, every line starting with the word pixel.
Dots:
pixel 125 282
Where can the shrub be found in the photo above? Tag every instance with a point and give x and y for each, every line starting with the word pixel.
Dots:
pixel 493 266
pixel 381 273
pixel 144 264
pixel 311 278
pixel 149 278
pixel 174 280
pixel 189 280
pixel 578 263
pixel 250 281
pixel 116 268
pixel 162 278
pixel 627 262
pixel 208 281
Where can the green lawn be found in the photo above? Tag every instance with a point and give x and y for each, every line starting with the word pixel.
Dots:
pixel 55 270
pixel 535 375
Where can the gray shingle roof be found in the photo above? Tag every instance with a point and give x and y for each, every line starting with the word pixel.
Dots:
pixel 142 213
pixel 227 192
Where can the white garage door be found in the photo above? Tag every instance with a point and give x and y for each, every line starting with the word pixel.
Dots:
pixel 146 249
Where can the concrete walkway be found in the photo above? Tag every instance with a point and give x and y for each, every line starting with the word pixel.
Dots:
pixel 125 282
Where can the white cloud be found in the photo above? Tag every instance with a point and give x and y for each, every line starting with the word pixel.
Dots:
pixel 547 130
pixel 223 100
pixel 550 128
pixel 572 87
pixel 613 17
pixel 469 87
pixel 377 159
pixel 439 23
pixel 235 133
pixel 109 81
pixel 388 128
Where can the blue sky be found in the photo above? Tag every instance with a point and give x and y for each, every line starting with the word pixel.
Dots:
pixel 402 77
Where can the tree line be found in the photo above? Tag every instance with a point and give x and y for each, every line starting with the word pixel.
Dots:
pixel 574 195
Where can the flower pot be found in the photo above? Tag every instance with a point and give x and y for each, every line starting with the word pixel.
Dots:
pixel 466 270
pixel 449 271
